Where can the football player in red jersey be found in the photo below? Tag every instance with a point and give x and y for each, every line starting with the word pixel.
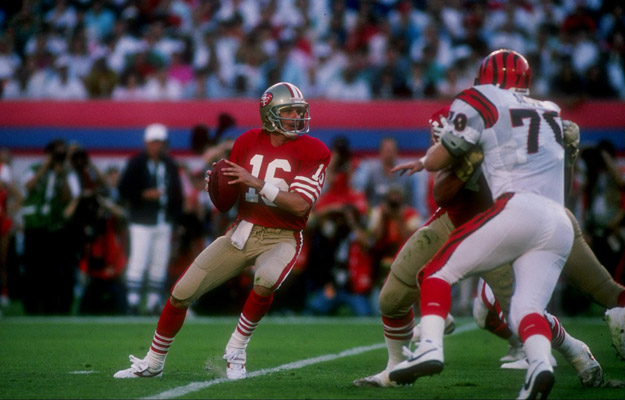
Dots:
pixel 280 171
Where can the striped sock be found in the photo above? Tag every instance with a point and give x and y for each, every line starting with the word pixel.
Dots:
pixel 158 351
pixel 254 310
pixel 169 324
pixel 397 334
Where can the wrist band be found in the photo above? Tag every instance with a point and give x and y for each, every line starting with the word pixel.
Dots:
pixel 422 159
pixel 270 191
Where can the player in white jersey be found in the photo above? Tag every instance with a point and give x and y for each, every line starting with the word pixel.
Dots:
pixel 280 173
pixel 527 226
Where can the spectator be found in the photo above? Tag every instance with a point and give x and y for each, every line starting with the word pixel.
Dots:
pixel 159 87
pixel 79 60
pixel 17 86
pixel 339 266
pixel 123 46
pixel 99 21
pixel 49 258
pixel 62 16
pixel 151 189
pixel 62 85
pixel 103 259
pixel 330 63
pixel 9 60
pixel 101 80
pixel 349 85
pixel 129 88
pixel 375 177
pixel 597 84
pixel 179 68
pixel 433 35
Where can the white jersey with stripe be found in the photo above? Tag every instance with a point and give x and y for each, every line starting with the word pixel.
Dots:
pixel 521 139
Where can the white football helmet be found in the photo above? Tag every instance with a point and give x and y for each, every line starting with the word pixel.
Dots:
pixel 275 99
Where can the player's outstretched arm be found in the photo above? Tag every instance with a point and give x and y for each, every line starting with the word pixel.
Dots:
pixel 411 167
pixel 437 158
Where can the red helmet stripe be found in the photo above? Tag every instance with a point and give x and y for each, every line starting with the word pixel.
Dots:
pixel 494 79
pixel 290 89
pixel 505 64
pixel 294 91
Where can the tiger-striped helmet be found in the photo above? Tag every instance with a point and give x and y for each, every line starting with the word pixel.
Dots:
pixel 277 98
pixel 506 69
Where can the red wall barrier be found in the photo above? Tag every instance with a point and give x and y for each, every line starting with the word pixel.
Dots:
pixel 325 114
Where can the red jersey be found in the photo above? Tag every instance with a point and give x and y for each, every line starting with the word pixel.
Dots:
pixel 465 203
pixel 468 203
pixel 297 166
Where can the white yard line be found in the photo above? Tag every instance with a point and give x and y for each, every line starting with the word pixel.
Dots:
pixel 196 386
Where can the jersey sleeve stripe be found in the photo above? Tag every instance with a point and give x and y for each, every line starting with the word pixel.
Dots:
pixel 305 193
pixel 314 191
pixel 316 187
pixel 305 179
pixel 484 107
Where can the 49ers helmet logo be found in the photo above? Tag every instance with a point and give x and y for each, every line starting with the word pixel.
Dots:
pixel 266 99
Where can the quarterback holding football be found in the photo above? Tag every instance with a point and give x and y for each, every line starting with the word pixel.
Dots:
pixel 278 171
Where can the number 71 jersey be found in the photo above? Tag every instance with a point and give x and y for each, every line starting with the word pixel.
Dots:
pixel 296 166
pixel 521 139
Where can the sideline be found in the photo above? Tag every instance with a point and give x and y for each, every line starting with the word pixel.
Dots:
pixel 196 386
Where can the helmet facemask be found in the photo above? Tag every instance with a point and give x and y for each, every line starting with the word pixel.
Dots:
pixel 290 126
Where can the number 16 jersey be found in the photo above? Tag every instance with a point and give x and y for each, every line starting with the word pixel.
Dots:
pixel 521 139
pixel 296 166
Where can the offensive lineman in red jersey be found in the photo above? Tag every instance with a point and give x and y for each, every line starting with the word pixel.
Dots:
pixel 280 171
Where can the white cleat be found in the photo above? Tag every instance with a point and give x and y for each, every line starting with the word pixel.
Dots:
pixel 588 369
pixel 524 364
pixel 138 369
pixel 426 360
pixel 515 352
pixel 615 318
pixel 450 326
pixel 539 381
pixel 235 363
pixel 377 380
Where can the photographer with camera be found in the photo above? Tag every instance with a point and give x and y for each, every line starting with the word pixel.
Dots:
pixel 390 223
pixel 339 267
pixel 49 260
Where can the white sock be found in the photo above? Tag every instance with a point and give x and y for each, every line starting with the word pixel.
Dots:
pixel 395 355
pixel 237 340
pixel 432 329
pixel 537 348
pixel 156 360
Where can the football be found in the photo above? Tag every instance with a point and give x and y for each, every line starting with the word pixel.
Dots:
pixel 221 193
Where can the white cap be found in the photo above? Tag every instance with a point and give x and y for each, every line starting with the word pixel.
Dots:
pixel 155 132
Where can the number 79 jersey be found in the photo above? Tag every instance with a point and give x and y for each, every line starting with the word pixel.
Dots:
pixel 521 139
pixel 296 166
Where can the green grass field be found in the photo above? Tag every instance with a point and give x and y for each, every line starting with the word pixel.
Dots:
pixel 288 358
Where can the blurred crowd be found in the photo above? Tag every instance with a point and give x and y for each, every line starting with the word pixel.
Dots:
pixel 68 245
pixel 348 49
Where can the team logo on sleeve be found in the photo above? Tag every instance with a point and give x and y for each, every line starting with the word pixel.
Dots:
pixel 266 99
